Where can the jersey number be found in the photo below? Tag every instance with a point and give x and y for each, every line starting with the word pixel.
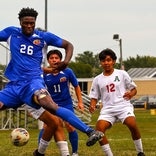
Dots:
pixel 26 49
pixel 111 87
pixel 57 88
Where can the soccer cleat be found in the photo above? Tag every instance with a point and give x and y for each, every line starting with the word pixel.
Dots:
pixel 141 154
pixel 75 154
pixel 36 153
pixel 94 137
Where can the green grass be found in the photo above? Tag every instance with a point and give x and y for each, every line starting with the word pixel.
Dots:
pixel 118 136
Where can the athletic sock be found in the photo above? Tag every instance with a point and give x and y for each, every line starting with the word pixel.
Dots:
pixel 73 137
pixel 70 117
pixel 107 150
pixel 138 145
pixel 40 135
pixel 42 146
pixel 63 147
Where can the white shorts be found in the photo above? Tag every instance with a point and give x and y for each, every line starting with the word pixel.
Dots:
pixel 116 116
pixel 36 113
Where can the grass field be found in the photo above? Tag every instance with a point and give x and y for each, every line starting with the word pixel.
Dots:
pixel 119 137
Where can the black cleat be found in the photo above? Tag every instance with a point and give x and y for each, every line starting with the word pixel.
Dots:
pixel 36 153
pixel 94 137
pixel 141 154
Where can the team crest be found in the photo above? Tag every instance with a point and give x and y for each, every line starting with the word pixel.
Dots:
pixel 63 79
pixel 116 79
pixel 36 42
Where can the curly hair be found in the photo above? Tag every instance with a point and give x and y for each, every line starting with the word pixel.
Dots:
pixel 27 12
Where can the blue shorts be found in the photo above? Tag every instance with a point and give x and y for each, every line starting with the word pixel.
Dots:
pixel 21 92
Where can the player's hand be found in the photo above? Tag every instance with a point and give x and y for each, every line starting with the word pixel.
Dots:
pixel 127 96
pixel 91 109
pixel 60 66
pixel 81 107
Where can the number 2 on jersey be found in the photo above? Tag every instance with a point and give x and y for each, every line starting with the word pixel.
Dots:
pixel 110 87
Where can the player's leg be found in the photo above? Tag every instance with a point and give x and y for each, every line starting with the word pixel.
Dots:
pixel 46 102
pixel 52 124
pixel 130 122
pixel 103 125
pixel 73 138
pixel 60 139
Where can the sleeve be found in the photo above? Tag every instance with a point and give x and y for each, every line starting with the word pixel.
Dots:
pixel 52 39
pixel 72 77
pixel 130 84
pixel 5 33
pixel 95 92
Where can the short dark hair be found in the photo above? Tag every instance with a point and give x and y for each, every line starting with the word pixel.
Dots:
pixel 54 51
pixel 27 12
pixel 106 52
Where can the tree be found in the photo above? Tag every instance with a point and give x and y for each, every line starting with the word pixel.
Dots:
pixel 81 70
pixel 89 59
pixel 140 62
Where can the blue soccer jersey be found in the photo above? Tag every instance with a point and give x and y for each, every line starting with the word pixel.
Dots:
pixel 58 86
pixel 24 69
pixel 26 52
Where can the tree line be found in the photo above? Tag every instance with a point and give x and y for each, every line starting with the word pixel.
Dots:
pixel 87 65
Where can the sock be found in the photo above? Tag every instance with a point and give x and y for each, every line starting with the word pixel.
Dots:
pixel 138 145
pixel 107 150
pixel 42 146
pixel 73 137
pixel 63 147
pixel 70 117
pixel 40 135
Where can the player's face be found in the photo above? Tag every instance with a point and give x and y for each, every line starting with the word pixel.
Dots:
pixel 107 64
pixel 28 25
pixel 53 59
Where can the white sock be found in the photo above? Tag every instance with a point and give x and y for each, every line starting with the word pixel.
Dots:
pixel 107 150
pixel 63 147
pixel 138 145
pixel 42 146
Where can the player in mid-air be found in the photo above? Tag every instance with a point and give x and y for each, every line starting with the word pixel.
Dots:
pixel 25 73
pixel 58 86
pixel 115 88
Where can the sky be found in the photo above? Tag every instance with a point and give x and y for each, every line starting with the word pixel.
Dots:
pixel 91 24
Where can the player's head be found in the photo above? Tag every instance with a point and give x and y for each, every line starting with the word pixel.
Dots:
pixel 107 52
pixel 107 59
pixel 54 56
pixel 27 17
pixel 56 52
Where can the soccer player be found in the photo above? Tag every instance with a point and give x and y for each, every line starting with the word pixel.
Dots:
pixel 52 129
pixel 24 71
pixel 115 88
pixel 58 86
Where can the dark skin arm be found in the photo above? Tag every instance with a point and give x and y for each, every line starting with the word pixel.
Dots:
pixel 68 50
pixel 63 64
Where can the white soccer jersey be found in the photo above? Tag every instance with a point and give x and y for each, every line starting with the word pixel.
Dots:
pixel 110 89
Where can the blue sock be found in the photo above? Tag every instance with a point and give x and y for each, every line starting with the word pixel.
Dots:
pixel 40 135
pixel 70 117
pixel 73 137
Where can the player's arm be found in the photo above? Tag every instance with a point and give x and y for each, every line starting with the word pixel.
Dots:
pixel 48 70
pixel 68 55
pixel 79 98
pixel 128 95
pixel 92 106
pixel 68 51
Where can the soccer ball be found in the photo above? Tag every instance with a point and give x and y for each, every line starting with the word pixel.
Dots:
pixel 19 137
